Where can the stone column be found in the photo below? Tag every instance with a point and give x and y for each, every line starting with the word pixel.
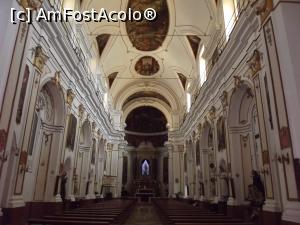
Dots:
pixel 169 147
pixel 122 147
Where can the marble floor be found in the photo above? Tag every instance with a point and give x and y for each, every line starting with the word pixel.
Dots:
pixel 144 214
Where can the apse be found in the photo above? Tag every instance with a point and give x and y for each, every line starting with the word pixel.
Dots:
pixel 146 124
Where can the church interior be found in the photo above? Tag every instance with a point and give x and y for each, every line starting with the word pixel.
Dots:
pixel 188 119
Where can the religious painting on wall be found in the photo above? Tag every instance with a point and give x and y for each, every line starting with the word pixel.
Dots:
pixel 147 66
pixel 22 94
pixel 3 139
pixel 125 170
pixel 93 158
pixel 197 153
pixel 210 138
pixel 221 134
pixel 166 170
pixel 148 35
pixel 71 132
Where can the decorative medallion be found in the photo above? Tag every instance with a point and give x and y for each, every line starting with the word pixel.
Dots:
pixel 147 66
pixel 148 35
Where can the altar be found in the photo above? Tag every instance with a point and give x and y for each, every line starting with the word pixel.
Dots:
pixel 145 194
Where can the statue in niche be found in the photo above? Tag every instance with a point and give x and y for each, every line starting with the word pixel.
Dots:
pixel 145 168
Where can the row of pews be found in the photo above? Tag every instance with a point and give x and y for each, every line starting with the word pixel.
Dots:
pixel 173 212
pixel 111 212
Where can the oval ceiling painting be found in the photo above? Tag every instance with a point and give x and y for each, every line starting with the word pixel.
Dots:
pixel 148 35
pixel 147 66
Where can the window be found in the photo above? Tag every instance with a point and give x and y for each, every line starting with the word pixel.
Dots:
pixel 202 67
pixel 230 15
pixel 188 102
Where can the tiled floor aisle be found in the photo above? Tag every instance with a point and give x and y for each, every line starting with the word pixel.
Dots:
pixel 144 214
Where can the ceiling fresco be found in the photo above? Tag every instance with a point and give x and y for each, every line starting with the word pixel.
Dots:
pixel 147 66
pixel 148 35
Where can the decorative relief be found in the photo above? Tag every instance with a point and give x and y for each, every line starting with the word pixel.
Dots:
pixel 31 4
pixel 93 126
pixel 110 147
pixel 212 113
pixel 45 105
pixel 70 97
pixel 263 8
pixel 81 110
pixel 56 79
pixel 224 99
pixel 255 62
pixel 40 59
pixel 238 82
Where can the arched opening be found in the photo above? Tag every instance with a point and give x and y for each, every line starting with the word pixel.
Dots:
pixel 209 161
pixel 51 114
pixel 244 140
pixel 146 133
pixel 81 181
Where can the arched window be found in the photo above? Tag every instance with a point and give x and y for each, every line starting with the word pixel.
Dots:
pixel 230 15
pixel 188 102
pixel 202 67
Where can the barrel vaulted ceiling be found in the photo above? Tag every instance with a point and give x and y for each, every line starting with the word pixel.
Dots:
pixel 166 62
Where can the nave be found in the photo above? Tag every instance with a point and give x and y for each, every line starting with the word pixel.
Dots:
pixel 196 112
pixel 160 211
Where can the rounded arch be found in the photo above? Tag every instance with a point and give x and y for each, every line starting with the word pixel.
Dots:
pixel 153 102
pixel 51 104
pixel 241 100
pixel 205 135
pixel 139 86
